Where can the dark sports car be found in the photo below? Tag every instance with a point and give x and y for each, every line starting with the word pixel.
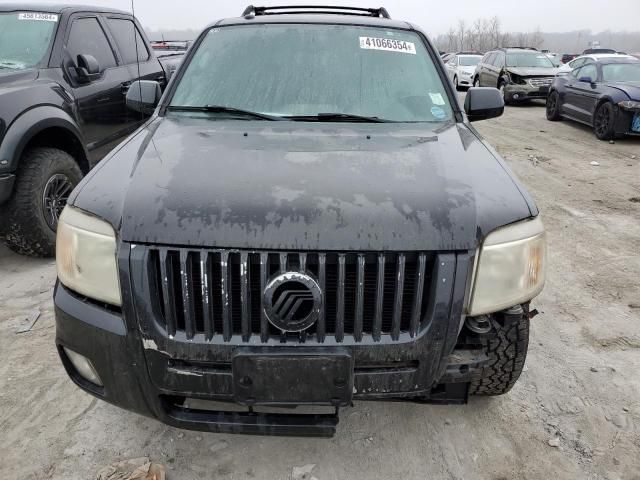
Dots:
pixel 604 95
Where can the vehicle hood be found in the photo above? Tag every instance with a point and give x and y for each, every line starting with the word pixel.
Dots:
pixel 467 69
pixel 533 72
pixel 290 185
pixel 632 89
pixel 10 78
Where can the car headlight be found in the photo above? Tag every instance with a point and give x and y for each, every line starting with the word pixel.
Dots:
pixel 511 267
pixel 629 105
pixel 517 79
pixel 86 256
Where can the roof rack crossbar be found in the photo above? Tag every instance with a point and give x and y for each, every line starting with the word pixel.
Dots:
pixel 306 9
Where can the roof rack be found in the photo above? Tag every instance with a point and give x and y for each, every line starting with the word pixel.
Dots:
pixel 251 11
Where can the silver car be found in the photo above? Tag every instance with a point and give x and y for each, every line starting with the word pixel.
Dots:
pixel 461 68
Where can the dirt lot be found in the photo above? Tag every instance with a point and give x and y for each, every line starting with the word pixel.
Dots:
pixel 575 414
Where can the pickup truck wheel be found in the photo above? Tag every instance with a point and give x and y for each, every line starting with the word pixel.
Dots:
pixel 604 122
pixel 507 351
pixel 476 81
pixel 45 179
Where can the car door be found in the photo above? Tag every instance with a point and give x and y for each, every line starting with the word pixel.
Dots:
pixel 484 69
pixel 582 95
pixel 100 102
pixel 498 65
pixel 451 67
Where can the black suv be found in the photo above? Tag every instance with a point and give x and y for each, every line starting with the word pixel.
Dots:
pixel 519 73
pixel 64 74
pixel 308 218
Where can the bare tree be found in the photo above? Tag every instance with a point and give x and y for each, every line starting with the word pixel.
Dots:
pixel 495 36
pixel 536 39
pixel 451 37
pixel 462 31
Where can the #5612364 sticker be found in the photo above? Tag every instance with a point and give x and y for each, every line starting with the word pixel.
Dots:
pixel 39 16
pixel 388 45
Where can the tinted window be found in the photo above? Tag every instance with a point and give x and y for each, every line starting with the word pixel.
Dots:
pixel 577 63
pixel 304 70
pixel 87 38
pixel 590 71
pixel 489 58
pixel 124 31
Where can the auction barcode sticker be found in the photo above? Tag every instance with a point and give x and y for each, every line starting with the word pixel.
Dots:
pixel 387 44
pixel 43 17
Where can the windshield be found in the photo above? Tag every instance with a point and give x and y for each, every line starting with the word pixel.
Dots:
pixel 621 72
pixel 469 61
pixel 305 70
pixel 25 38
pixel 528 60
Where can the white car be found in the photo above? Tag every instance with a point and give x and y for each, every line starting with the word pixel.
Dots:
pixel 461 68
pixel 581 60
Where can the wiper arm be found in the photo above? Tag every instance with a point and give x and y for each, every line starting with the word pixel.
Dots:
pixel 338 117
pixel 223 109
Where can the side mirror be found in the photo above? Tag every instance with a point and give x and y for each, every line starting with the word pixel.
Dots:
pixel 143 96
pixel 482 103
pixel 585 79
pixel 88 68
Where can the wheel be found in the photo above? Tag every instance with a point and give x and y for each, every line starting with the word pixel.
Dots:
pixel 604 122
pixel 553 107
pixel 455 82
pixel 507 351
pixel 476 81
pixel 45 179
pixel 501 87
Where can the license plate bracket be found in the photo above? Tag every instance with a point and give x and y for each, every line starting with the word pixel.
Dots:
pixel 288 376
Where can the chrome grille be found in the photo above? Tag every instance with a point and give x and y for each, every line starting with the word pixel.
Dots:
pixel 219 292
pixel 541 82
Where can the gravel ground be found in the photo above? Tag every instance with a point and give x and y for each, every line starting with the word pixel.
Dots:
pixel 575 412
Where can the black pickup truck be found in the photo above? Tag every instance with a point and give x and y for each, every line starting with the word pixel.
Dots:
pixel 64 74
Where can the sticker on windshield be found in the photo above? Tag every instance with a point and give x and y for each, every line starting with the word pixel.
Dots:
pixel 42 17
pixel 438 113
pixel 436 98
pixel 387 44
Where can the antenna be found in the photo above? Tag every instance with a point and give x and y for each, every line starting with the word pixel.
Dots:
pixel 135 42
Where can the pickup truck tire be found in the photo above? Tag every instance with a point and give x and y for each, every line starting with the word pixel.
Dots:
pixel 26 229
pixel 507 351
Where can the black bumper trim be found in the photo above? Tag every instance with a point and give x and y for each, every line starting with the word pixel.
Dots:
pixel 297 425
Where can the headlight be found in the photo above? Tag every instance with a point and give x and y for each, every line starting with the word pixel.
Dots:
pixel 86 256
pixel 511 267
pixel 629 105
pixel 517 79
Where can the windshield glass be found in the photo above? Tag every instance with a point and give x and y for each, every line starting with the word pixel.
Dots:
pixel 621 72
pixel 469 61
pixel 25 38
pixel 303 70
pixel 528 60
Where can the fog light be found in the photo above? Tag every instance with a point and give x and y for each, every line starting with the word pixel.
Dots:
pixel 83 366
pixel 516 96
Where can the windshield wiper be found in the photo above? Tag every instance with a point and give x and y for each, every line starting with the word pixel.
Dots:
pixel 337 117
pixel 223 109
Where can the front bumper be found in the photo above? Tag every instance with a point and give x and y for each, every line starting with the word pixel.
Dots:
pixel 161 380
pixel 517 93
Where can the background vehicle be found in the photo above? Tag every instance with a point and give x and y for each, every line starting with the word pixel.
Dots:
pixel 64 74
pixel 519 73
pixel 567 57
pixel 461 68
pixel 603 94
pixel 306 240
pixel 583 59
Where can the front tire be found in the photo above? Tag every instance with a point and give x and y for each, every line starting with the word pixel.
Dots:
pixel 503 92
pixel 507 351
pixel 455 82
pixel 553 107
pixel 604 121
pixel 476 81
pixel 45 179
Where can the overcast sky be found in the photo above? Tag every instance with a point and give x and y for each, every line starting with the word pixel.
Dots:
pixel 435 16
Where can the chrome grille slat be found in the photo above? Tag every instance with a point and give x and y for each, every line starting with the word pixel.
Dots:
pixel 204 293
